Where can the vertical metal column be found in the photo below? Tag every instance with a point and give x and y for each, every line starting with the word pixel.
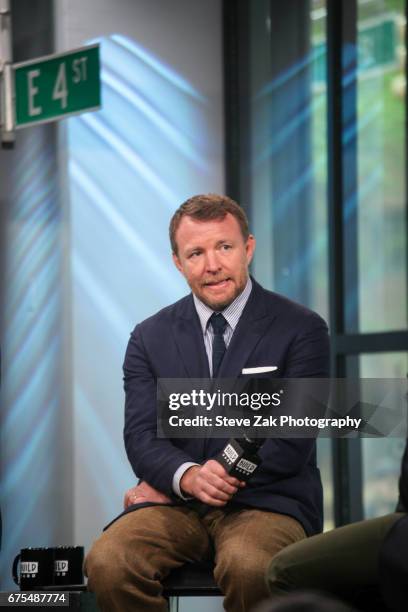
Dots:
pixel 342 184
pixel 6 81
pixel 236 99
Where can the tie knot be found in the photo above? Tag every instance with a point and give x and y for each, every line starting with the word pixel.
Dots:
pixel 218 323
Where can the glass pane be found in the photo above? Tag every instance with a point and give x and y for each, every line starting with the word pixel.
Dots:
pixel 324 461
pixel 288 161
pixel 377 297
pixel 382 457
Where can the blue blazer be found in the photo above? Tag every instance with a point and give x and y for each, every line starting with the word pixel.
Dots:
pixel 271 331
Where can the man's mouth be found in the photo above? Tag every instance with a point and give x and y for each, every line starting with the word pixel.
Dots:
pixel 217 283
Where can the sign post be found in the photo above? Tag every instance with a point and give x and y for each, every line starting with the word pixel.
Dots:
pixel 55 86
pixel 7 135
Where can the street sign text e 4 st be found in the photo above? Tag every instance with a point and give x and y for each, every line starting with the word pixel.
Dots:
pixel 55 86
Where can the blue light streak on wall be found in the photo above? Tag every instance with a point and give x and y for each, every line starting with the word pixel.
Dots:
pixel 31 394
pixel 130 166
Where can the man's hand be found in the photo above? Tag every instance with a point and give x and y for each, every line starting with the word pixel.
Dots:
pixel 143 492
pixel 210 483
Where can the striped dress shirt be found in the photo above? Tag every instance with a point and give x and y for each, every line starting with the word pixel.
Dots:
pixel 232 315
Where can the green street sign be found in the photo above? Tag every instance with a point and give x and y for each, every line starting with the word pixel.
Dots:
pixel 377 44
pixel 55 86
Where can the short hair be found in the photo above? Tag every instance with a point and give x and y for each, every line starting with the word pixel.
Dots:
pixel 207 208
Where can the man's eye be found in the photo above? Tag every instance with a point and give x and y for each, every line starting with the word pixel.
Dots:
pixel 226 247
pixel 194 254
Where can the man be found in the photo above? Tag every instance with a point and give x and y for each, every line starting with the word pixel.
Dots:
pixel 245 524
pixel 355 561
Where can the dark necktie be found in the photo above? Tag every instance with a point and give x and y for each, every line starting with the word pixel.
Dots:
pixel 218 323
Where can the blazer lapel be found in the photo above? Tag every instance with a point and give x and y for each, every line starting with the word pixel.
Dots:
pixel 188 337
pixel 252 327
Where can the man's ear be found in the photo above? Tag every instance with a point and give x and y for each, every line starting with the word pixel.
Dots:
pixel 250 247
pixel 177 263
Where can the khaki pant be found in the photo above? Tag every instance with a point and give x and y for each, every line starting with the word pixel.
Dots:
pixel 127 563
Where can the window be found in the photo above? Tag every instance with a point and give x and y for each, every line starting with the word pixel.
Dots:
pixel 316 141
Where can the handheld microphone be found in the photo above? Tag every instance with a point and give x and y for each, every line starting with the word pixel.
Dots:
pixel 240 457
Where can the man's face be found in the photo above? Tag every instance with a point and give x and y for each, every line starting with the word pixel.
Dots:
pixel 213 257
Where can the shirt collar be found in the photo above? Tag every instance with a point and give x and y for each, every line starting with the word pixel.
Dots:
pixel 232 313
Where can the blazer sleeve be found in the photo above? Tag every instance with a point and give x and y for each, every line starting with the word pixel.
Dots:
pixel 308 356
pixel 152 459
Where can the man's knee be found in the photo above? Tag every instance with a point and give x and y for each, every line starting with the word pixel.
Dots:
pixel 238 566
pixel 279 578
pixel 105 565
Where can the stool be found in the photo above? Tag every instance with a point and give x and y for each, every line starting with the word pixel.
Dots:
pixel 191 580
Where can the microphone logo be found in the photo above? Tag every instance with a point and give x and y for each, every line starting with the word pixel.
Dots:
pixel 230 454
pixel 246 467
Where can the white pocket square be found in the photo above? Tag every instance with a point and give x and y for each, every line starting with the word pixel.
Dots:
pixel 260 370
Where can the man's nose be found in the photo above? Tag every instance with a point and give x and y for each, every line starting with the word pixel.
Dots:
pixel 211 262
